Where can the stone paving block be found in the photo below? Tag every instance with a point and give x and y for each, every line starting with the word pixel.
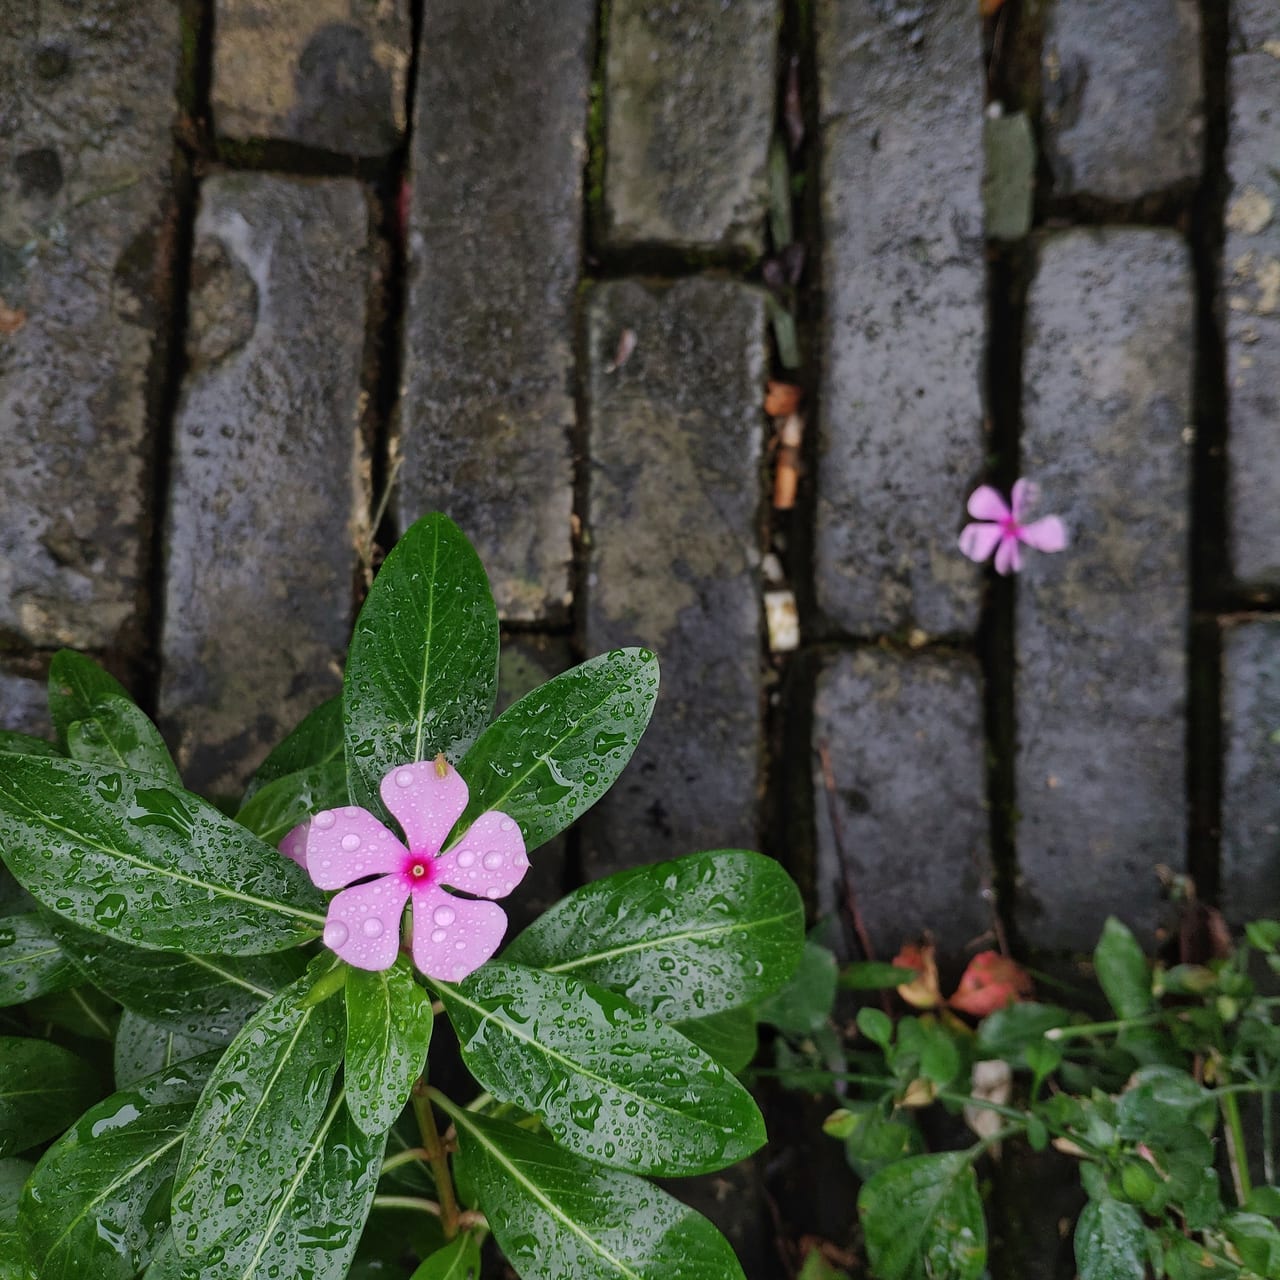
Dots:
pixel 86 206
pixel 24 703
pixel 331 74
pixel 674 493
pixel 688 113
pixel 900 428
pixel 269 496
pixel 1123 110
pixel 494 230
pixel 908 756
pixel 1102 627
pixel 1250 798
pixel 1251 278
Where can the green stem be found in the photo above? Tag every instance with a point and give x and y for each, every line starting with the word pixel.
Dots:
pixel 1237 1152
pixel 437 1158
pixel 408 1156
pixel 479 1102
pixel 407 1202
pixel 1103 1028
pixel 968 1100
pixel 1000 1135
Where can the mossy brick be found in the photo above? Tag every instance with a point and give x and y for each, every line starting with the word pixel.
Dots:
pixel 1251 282
pixel 900 418
pixel 674 484
pixel 908 759
pixel 1250 878
pixel 269 500
pixel 688 113
pixel 487 413
pixel 87 109
pixel 1123 111
pixel 1102 627
pixel 330 74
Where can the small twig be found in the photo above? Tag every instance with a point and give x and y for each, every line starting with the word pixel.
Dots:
pixel 468 1219
pixel 437 1157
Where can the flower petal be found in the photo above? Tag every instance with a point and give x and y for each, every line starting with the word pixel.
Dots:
pixel 453 937
pixel 363 925
pixel 1026 493
pixel 294 845
pixel 348 844
pixel 489 861
pixel 425 804
pixel 1008 555
pixel 978 541
pixel 1047 534
pixel 986 504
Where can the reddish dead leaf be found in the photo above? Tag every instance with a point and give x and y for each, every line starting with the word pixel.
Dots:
pixel 781 398
pixel 991 982
pixel 922 992
pixel 11 318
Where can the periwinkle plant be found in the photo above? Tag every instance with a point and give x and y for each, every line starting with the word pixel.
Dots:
pixel 270 1045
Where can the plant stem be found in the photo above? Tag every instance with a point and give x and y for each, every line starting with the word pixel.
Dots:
pixel 1237 1152
pixel 415 1203
pixel 1000 1135
pixel 437 1158
pixel 479 1102
pixel 407 1156
pixel 968 1100
pixel 1103 1028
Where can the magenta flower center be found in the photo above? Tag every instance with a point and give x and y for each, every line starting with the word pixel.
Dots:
pixel 419 870
pixel 1009 526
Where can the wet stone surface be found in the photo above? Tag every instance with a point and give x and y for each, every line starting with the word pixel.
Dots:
pixel 24 703
pixel 675 446
pixel 266 453
pixel 330 74
pixel 908 757
pixel 1122 114
pixel 1101 628
pixel 688 103
pixel 1250 798
pixel 1251 280
pixel 487 413
pixel 900 432
pixel 86 206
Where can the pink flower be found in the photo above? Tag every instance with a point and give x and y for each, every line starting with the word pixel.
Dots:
pixel 452 936
pixel 1006 528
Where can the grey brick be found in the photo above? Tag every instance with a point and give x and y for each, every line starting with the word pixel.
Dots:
pixel 24 703
pixel 1123 100
pixel 1252 284
pixel 900 428
pixel 908 759
pixel 1253 24
pixel 1250 797
pixel 326 73
pixel 688 114
pixel 86 112
pixel 675 448
pixel 488 407
pixel 1101 627
pixel 269 497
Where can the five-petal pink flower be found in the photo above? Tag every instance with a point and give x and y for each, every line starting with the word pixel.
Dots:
pixel 452 936
pixel 1003 528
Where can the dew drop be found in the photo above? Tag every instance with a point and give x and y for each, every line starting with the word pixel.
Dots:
pixel 466 858
pixel 492 860
pixel 493 891
pixel 372 927
pixel 335 933
pixel 404 778
pixel 506 824
pixel 444 915
pixel 438 935
pixel 351 843
pixel 324 820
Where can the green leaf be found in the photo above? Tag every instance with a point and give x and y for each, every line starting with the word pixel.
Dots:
pixel 1189 1260
pixel 1122 971
pixel 1264 1200
pixel 118 854
pixel 75 684
pixel 682 939
pixel 31 961
pixel 922 1218
pixel 729 1037
pixel 143 1047
pixel 317 740
pixel 95 1203
pixel 1010 1032
pixel 939 1057
pixel 1256 1240
pixel 43 1088
pixel 13 1176
pixel 611 1084
pixel 457 1261
pixel 870 975
pixel 118 734
pixel 82 1010
pixel 281 805
pixel 876 1025
pixel 1110 1242
pixel 23 744
pixel 804 1003
pixel 259 1117
pixel 546 760
pixel 1158 1100
pixel 556 1215
pixel 422 673
pixel 877 1140
pixel 388 1032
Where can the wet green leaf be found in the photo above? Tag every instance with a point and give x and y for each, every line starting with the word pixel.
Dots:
pixel 556 1215
pixel 95 1205
pixel 83 1010
pixel 869 975
pixel 388 1033
pixel 682 939
pixel 144 1047
pixel 316 741
pixel 43 1087
pixel 75 684
pixel 1111 1242
pixel 1010 1032
pixel 729 1037
pixel 546 760
pixel 804 1003
pixel 117 853
pixel 922 1218
pixel 422 673
pixel 1256 1240
pixel 281 805
pixel 118 734
pixel 457 1261
pixel 32 963
pixel 23 744
pixel 610 1083
pixel 13 1259
pixel 1123 972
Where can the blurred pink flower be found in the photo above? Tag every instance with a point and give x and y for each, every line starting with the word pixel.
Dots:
pixel 1002 529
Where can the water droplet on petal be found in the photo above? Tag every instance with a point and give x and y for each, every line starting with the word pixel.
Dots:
pixel 506 824
pixel 492 860
pixel 351 843
pixel 494 891
pixel 438 935
pixel 404 778
pixel 372 927
pixel 335 933
pixel 444 915
pixel 466 858
pixel 324 820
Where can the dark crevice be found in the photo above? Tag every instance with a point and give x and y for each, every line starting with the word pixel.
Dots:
pixel 295 159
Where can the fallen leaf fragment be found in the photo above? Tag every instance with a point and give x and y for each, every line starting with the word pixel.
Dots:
pixel 991 982
pixel 11 318
pixel 626 348
pixel 782 620
pixel 923 992
pixel 989 8
pixel 786 474
pixel 781 398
